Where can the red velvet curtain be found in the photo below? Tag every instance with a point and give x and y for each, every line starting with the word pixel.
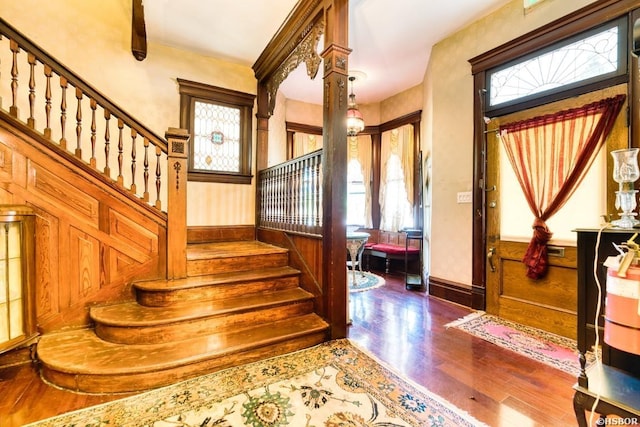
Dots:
pixel 551 155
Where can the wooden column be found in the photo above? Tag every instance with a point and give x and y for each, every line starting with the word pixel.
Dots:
pixel 177 150
pixel 334 163
pixel 262 134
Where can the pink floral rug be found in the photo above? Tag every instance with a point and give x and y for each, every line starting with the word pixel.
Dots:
pixel 553 350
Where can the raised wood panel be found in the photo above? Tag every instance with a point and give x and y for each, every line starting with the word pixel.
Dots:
pixel 203 234
pixel 133 233
pixel 549 303
pixel 305 254
pixel 6 198
pixel 58 191
pixel 558 288
pixel 84 262
pixel 47 263
pixel 92 241
pixel 6 162
pixel 119 262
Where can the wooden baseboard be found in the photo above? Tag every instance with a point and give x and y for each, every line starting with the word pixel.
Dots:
pixel 204 234
pixel 473 297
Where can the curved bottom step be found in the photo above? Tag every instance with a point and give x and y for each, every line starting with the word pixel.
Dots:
pixel 80 361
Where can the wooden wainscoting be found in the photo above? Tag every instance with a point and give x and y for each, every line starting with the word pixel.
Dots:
pixel 305 254
pixel 228 233
pixel 91 238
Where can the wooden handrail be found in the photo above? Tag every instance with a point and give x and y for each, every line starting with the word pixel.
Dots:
pixel 129 153
pixel 290 195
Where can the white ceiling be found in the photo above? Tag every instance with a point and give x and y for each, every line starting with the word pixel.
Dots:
pixel 390 39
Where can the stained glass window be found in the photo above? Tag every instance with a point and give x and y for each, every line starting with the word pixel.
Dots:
pixel 216 138
pixel 576 61
pixel 220 122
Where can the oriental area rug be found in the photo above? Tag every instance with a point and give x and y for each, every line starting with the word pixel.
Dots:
pixel 364 281
pixel 332 384
pixel 550 349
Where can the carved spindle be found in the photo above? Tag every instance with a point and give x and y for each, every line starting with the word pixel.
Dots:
pixel 134 134
pixel 120 150
pixel 63 111
pixel 281 198
pixel 15 49
pixel 145 174
pixel 47 102
pixel 286 176
pixel 79 123
pixel 31 121
pixel 93 105
pixel 304 193
pixel 158 177
pixel 318 184
pixel 295 189
pixel 107 138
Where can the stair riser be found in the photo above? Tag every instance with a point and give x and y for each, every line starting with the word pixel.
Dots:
pixel 218 292
pixel 214 326
pixel 134 382
pixel 243 263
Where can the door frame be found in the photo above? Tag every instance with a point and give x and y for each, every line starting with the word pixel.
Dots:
pixel 578 21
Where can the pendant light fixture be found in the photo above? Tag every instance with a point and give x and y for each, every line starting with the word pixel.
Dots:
pixel 355 122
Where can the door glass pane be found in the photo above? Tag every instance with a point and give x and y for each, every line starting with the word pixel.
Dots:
pixel 585 205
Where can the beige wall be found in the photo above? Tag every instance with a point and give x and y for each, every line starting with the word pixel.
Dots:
pixel 96 45
pixel 93 38
pixel 406 102
pixel 448 129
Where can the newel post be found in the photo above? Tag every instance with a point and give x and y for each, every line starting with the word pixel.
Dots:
pixel 177 151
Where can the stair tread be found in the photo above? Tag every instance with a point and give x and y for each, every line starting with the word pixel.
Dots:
pixel 132 314
pixel 82 352
pixel 216 279
pixel 212 250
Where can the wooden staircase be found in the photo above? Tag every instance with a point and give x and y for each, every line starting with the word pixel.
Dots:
pixel 240 302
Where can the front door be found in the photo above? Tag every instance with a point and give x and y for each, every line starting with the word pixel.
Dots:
pixel 549 303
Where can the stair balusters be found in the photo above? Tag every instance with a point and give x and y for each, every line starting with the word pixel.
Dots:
pixel 30 91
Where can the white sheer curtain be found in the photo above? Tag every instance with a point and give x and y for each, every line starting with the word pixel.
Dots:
pixel 360 150
pixel 304 143
pixel 396 179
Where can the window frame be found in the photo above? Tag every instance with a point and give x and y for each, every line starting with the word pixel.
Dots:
pixel 569 90
pixel 190 92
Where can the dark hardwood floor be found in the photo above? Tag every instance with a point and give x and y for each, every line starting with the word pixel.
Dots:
pixel 405 329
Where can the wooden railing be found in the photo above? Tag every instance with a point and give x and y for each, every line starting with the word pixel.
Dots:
pixel 80 120
pixel 290 195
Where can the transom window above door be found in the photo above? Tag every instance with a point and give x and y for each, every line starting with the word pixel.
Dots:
pixel 589 57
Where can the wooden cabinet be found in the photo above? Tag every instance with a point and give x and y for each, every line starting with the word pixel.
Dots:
pixel 17 293
pixel 615 384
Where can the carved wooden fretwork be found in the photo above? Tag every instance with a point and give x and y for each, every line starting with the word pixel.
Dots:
pixel 306 51
pixel 177 166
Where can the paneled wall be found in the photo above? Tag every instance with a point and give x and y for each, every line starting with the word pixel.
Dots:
pixel 91 240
